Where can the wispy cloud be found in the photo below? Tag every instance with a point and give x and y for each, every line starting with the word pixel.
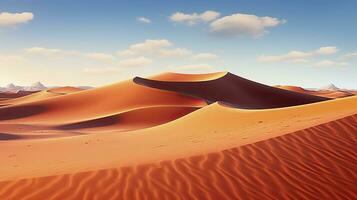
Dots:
pixel 298 56
pixel 349 56
pixel 328 63
pixel 144 20
pixel 162 48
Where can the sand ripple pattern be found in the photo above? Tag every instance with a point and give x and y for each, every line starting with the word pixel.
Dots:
pixel 315 163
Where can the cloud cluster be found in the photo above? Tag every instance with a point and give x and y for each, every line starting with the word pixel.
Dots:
pixel 298 56
pixel 194 18
pixel 12 19
pixel 136 55
pixel 244 25
pixel 162 48
pixel 308 57
pixel 237 24
pixel 146 47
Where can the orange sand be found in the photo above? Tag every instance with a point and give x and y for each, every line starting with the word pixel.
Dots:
pixel 79 146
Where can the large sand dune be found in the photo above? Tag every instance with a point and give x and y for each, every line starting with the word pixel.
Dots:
pixel 92 104
pixel 233 90
pixel 160 140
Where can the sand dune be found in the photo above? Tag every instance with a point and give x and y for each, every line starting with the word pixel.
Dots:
pixel 65 90
pixel 323 93
pixel 233 90
pixel 160 140
pixel 209 129
pixel 315 163
pixel 130 120
pixel 9 95
pixel 41 95
pixel 92 104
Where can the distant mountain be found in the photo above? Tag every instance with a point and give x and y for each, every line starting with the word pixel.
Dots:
pixel 16 88
pixel 35 87
pixel 38 86
pixel 330 87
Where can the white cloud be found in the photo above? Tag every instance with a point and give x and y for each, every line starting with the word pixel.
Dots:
pixel 243 25
pixel 349 55
pixel 101 70
pixel 135 62
pixel 43 51
pixel 328 63
pixel 162 48
pixel 144 20
pixel 12 19
pixel 298 56
pixel 194 18
pixel 148 46
pixel 177 52
pixel 327 50
pixel 205 56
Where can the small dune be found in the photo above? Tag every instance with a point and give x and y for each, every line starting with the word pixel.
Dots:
pixel 323 93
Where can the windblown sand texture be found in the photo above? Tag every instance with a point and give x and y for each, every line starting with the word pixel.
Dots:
pixel 177 136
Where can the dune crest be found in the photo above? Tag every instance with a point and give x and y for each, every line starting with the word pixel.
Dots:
pixel 234 90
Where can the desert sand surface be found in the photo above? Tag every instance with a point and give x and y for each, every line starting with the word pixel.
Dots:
pixel 40 95
pixel 161 140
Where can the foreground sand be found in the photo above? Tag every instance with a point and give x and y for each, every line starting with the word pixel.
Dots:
pixel 314 163
pixel 215 152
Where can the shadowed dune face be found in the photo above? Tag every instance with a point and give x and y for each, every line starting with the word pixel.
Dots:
pixel 132 120
pixel 6 136
pixel 236 91
pixel 315 163
pixel 21 111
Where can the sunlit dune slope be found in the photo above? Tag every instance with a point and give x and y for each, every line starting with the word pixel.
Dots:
pixel 41 95
pixel 65 90
pixel 322 93
pixel 169 76
pixel 332 94
pixel 314 163
pixel 292 88
pixel 93 104
pixel 30 98
pixel 209 129
pixel 232 89
pixel 10 95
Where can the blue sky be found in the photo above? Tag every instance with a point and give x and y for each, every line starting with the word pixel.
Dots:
pixel 307 43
